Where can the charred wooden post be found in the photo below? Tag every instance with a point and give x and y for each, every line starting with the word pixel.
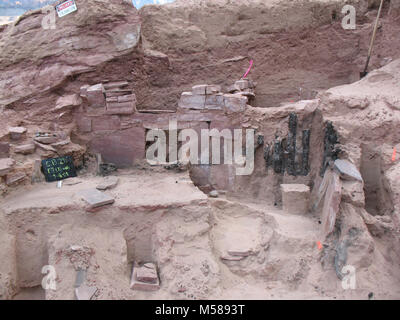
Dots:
pixel 330 150
pixel 278 156
pixel 291 145
pixel 267 157
pixel 305 169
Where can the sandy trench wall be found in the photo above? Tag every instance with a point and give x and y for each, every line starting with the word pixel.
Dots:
pixel 106 248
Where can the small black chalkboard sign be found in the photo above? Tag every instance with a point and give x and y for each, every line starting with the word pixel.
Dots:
pixel 58 168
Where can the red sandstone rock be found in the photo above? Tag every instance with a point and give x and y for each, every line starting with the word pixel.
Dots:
pixel 5 166
pixel 25 149
pixel 69 101
pixel 15 178
pixel 105 123
pixel 192 101
pixel 121 148
pixel 234 103
pixel 4 149
pixel 84 124
pixel 95 96
pixel 16 132
pixel 75 47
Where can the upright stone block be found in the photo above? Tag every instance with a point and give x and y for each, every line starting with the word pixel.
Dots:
pixel 4 149
pixel 145 278
pixel 234 103
pixel 192 101
pixel 95 96
pixel 295 198
pixel 16 132
pixel 215 102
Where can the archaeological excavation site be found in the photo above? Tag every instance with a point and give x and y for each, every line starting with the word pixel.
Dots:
pixel 201 150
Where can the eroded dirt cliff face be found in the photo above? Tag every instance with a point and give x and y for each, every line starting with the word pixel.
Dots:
pixel 298 47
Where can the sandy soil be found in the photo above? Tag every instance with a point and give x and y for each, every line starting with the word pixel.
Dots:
pixel 162 217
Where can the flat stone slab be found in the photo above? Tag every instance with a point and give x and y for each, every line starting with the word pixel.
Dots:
pixel 15 178
pixel 85 292
pixel 25 149
pixel 80 278
pixel 72 181
pixel 228 257
pixel 95 198
pixel 136 284
pixel 240 252
pixel 147 273
pixel 46 139
pixel 5 166
pixel 108 183
pixel 347 170
pixel 18 130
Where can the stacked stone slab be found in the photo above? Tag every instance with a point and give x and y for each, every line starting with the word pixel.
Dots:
pixel 244 87
pixel 209 97
pixel 119 100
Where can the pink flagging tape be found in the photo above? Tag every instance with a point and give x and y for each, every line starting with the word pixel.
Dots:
pixel 394 154
pixel 319 245
pixel 248 70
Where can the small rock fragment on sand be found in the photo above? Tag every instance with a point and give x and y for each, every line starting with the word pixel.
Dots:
pixel 95 198
pixel 213 194
pixel 108 183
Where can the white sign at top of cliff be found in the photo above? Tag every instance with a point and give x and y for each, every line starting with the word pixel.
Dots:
pixel 66 7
